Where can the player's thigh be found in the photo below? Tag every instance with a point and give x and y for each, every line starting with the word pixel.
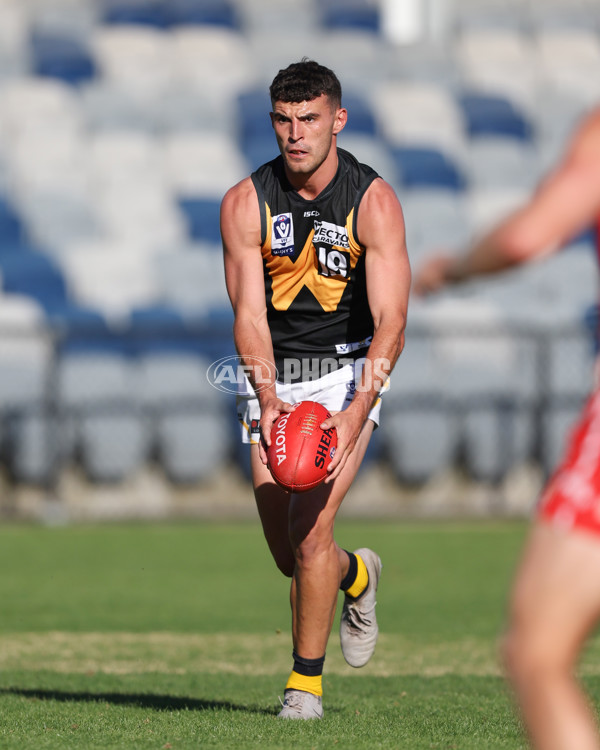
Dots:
pixel 315 511
pixel 288 519
pixel 273 505
pixel 555 600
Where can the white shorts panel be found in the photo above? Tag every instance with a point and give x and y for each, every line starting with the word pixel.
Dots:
pixel 334 390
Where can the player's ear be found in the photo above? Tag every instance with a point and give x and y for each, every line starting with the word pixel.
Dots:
pixel 341 118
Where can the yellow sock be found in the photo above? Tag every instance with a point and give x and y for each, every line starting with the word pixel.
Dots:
pixel 312 685
pixel 361 581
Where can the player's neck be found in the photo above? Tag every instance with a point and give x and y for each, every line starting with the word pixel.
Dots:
pixel 311 185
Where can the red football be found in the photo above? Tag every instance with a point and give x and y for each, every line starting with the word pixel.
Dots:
pixel 300 450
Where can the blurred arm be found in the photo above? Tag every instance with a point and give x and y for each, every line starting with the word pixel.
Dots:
pixel 564 204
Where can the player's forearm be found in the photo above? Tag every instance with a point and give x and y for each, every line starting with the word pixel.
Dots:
pixel 516 240
pixel 488 256
pixel 253 344
pixel 383 353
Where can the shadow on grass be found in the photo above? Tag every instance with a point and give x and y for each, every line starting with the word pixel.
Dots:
pixel 139 700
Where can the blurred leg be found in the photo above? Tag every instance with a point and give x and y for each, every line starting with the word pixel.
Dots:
pixel 555 603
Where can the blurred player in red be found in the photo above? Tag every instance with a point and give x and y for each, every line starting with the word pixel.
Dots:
pixel 318 276
pixel 555 601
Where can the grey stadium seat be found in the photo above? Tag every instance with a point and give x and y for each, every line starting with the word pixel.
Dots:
pixel 99 406
pixel 189 424
pixel 417 428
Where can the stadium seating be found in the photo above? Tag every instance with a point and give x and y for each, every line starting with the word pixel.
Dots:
pixel 96 394
pixel 494 115
pixel 184 411
pixel 123 123
pixel 202 218
pixel 211 58
pixel 369 150
pixel 201 13
pixel 11 226
pixel 494 161
pixel 418 419
pixel 106 106
pixel 148 13
pixel 59 57
pixel 137 58
pixel 202 164
pixel 356 14
pixel 418 112
pixel 422 166
pixel 435 219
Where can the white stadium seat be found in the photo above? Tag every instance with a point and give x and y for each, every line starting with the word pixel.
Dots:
pixel 135 59
pixel 422 113
pixel 202 164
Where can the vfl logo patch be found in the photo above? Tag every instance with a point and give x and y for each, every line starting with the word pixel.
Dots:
pixel 282 235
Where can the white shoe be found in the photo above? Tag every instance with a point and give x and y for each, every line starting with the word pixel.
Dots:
pixel 358 625
pixel 298 704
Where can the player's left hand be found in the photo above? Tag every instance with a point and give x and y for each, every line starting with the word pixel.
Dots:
pixel 348 425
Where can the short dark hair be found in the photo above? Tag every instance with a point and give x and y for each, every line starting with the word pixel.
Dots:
pixel 304 81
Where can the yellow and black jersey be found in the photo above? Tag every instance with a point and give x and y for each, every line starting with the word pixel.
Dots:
pixel 314 268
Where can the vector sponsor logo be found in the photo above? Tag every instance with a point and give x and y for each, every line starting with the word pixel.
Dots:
pixel 330 234
pixel 230 374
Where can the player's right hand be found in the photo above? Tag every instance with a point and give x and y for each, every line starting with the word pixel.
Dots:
pixel 270 410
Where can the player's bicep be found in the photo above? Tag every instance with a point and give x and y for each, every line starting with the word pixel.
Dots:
pixel 565 204
pixel 381 230
pixel 240 231
pixel 567 201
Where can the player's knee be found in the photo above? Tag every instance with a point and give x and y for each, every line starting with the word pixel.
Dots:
pixel 531 653
pixel 308 542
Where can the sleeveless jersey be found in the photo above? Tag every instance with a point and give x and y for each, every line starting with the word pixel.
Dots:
pixel 314 268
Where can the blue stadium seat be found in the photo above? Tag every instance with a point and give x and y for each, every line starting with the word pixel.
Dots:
pixel 8 247
pixel 202 218
pixel 158 328
pixel 352 14
pixel 213 12
pixel 253 108
pixel 11 226
pixel 137 12
pixel 361 118
pixel 256 138
pixel 35 275
pixel 486 114
pixel 260 150
pixel 421 166
pixel 61 57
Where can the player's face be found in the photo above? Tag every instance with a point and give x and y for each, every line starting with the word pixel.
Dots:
pixel 305 130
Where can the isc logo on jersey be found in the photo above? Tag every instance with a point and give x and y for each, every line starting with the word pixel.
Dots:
pixel 282 235
pixel 329 239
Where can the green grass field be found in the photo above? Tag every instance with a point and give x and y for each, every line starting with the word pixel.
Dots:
pixel 178 636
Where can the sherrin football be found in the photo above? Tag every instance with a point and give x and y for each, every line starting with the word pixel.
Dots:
pixel 300 450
